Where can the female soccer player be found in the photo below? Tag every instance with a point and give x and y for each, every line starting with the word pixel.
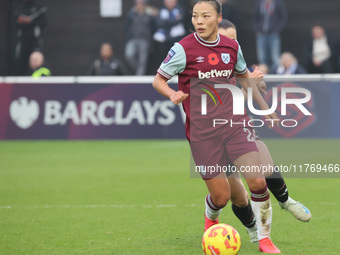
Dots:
pixel 206 54
pixel 275 181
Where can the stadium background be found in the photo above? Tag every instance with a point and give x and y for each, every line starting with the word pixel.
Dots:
pixel 136 196
pixel 75 30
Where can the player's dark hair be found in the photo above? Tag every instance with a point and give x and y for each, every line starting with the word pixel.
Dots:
pixel 216 3
pixel 225 24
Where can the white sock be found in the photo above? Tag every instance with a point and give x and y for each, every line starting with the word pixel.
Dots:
pixel 263 214
pixel 211 211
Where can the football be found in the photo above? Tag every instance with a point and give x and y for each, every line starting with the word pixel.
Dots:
pixel 221 239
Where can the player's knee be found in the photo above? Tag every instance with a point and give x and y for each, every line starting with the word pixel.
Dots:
pixel 241 200
pixel 221 201
pixel 242 203
pixel 257 184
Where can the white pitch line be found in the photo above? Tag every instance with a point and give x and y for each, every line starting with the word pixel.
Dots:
pixel 7 207
pixel 328 203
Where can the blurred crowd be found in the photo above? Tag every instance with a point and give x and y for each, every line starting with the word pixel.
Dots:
pixel 150 33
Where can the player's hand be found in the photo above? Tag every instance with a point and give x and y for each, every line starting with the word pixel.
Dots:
pixel 262 86
pixel 273 120
pixel 257 75
pixel 178 97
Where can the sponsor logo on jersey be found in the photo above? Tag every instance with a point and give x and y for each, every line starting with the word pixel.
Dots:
pixel 200 59
pixel 215 74
pixel 171 53
pixel 225 58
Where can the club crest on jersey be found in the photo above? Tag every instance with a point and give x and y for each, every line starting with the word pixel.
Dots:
pixel 171 53
pixel 225 58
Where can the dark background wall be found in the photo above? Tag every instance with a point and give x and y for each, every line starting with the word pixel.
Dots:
pixel 75 30
pixel 4 6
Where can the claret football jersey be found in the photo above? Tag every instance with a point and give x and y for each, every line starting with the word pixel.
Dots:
pixel 193 60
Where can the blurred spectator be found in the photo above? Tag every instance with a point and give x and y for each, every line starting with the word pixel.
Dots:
pixel 139 29
pixel 29 21
pixel 107 64
pixel 318 51
pixel 169 27
pixel 269 18
pixel 289 65
pixel 229 11
pixel 36 64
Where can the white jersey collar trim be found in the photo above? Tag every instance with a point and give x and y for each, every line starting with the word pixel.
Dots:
pixel 207 43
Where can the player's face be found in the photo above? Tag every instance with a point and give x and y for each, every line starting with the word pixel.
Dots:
pixel 229 32
pixel 205 20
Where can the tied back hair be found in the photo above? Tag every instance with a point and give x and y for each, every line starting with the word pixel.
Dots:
pixel 216 3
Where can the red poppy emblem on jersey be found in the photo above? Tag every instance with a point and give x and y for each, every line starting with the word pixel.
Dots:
pixel 213 59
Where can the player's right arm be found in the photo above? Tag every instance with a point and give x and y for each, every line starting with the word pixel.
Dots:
pixel 173 64
pixel 160 84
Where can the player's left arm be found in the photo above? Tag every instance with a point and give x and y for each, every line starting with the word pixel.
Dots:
pixel 246 81
pixel 258 76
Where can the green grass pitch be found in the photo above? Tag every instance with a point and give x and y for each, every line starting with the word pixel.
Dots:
pixel 137 197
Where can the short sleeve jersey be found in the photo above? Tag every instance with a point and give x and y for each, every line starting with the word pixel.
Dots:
pixel 195 58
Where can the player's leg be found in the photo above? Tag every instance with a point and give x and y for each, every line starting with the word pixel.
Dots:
pixel 277 186
pixel 260 198
pixel 218 197
pixel 209 153
pixel 259 193
pixel 241 205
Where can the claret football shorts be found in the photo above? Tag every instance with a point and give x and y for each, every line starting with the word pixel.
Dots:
pixel 216 155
